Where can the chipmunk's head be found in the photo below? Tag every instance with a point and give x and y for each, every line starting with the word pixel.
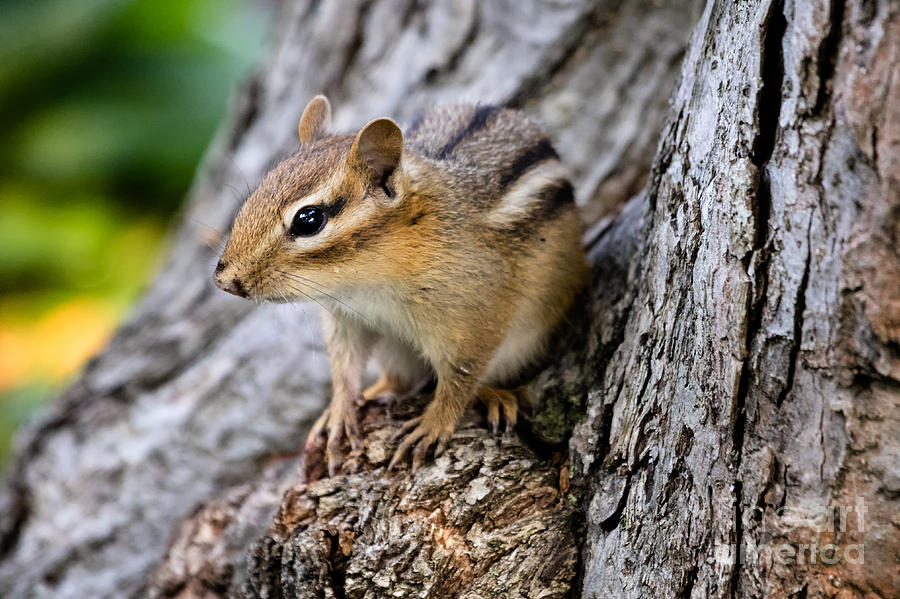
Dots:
pixel 324 219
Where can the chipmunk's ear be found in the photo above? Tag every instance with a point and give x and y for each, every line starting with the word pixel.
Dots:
pixel 378 146
pixel 315 120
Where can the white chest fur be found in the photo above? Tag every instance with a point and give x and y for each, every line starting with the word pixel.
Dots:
pixel 380 310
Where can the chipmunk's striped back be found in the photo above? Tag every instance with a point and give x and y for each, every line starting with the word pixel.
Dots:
pixel 510 167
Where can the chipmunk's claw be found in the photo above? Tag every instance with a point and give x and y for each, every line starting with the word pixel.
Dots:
pixel 442 446
pixel 496 399
pixel 410 437
pixel 406 427
pixel 333 427
pixel 423 435
pixel 316 433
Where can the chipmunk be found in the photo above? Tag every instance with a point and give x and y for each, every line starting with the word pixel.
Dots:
pixel 452 251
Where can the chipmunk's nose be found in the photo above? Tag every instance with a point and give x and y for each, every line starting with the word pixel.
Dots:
pixel 232 285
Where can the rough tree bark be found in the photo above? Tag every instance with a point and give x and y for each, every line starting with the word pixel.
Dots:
pixel 737 356
pixel 758 374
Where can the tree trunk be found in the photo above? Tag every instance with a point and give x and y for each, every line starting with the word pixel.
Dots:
pixel 757 381
pixel 733 371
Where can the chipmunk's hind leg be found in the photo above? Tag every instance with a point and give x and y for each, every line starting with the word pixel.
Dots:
pixel 497 400
pixel 387 388
pixel 403 372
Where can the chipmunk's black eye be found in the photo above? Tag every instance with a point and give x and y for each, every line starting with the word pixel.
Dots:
pixel 309 220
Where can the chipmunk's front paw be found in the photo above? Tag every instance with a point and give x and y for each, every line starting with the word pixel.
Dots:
pixel 332 427
pixel 426 431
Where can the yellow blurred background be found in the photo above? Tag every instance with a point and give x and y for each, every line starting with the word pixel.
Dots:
pixel 106 107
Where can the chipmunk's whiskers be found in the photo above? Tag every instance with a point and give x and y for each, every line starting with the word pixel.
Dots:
pixel 323 290
pixel 315 348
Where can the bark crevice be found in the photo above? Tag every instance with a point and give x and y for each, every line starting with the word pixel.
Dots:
pixel 757 261
pixel 828 55
pixel 799 309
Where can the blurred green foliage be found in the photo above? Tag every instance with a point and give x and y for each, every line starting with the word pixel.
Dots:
pixel 106 107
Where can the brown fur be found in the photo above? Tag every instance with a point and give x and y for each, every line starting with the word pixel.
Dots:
pixel 454 251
